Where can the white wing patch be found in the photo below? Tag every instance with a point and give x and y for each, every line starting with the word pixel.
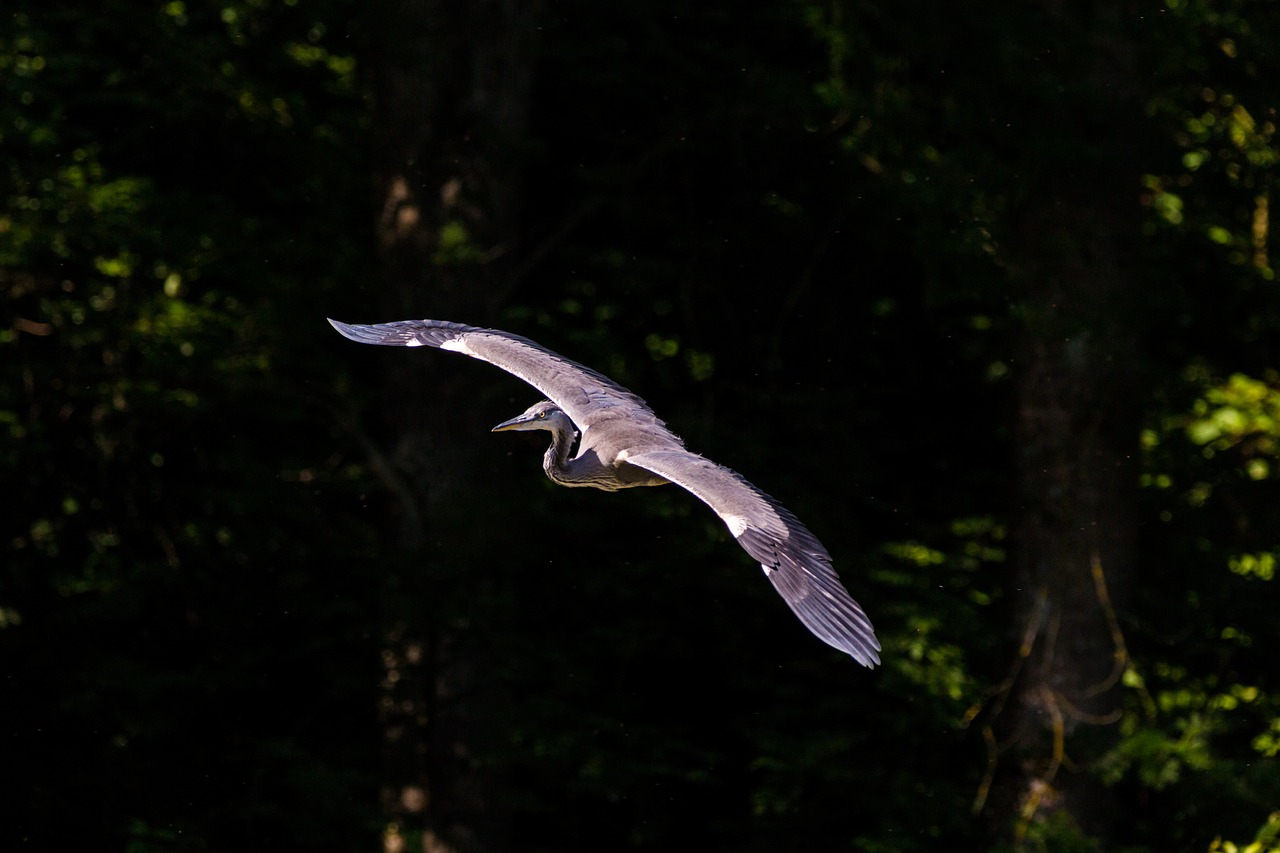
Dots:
pixel 455 345
pixel 737 524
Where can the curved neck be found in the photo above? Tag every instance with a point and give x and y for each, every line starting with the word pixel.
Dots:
pixel 556 460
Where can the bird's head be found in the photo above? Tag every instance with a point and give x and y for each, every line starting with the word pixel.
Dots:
pixel 544 415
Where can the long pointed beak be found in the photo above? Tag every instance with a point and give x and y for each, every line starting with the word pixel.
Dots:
pixel 514 423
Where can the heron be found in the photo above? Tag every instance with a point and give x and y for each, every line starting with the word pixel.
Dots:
pixel 622 444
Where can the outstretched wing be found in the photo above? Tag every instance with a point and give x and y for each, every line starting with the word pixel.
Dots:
pixel 582 393
pixel 792 557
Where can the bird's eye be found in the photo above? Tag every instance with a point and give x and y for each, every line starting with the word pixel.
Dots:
pixel 540 415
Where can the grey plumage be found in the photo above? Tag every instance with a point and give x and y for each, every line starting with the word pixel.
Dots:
pixel 622 444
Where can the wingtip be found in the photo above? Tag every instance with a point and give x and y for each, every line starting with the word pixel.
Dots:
pixel 866 657
pixel 872 653
pixel 347 331
pixel 863 647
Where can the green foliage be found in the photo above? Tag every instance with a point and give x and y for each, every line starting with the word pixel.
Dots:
pixel 1206 725
pixel 1266 841
pixel 954 131
pixel 159 484
pixel 1241 414
pixel 784 226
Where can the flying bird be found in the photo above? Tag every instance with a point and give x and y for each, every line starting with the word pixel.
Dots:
pixel 623 444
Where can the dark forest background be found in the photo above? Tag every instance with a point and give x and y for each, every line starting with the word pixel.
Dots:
pixel 984 294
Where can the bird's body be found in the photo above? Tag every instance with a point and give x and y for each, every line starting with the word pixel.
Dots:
pixel 622 444
pixel 601 461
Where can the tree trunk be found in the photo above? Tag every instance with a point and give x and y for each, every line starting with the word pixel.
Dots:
pixel 1072 258
pixel 451 83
